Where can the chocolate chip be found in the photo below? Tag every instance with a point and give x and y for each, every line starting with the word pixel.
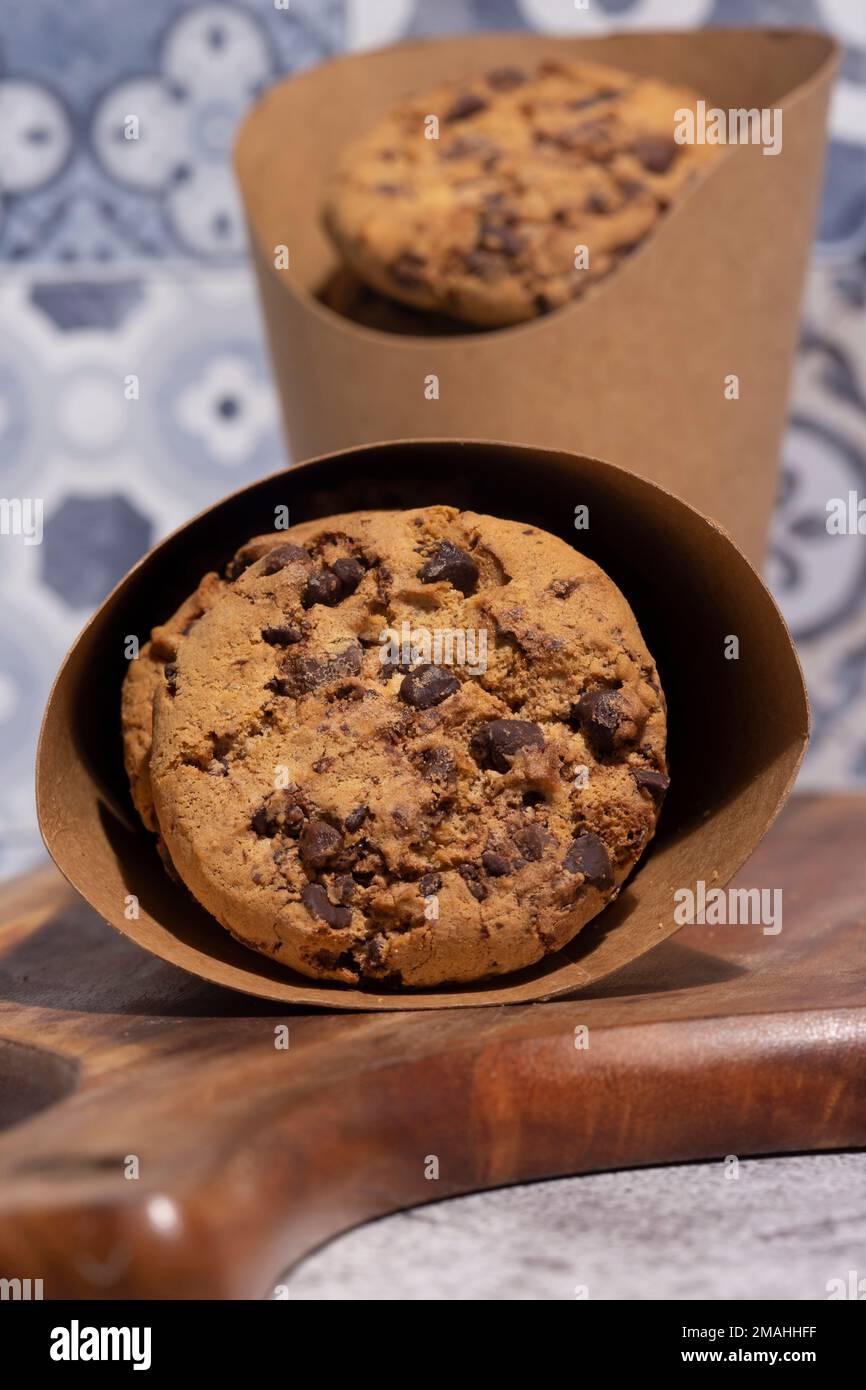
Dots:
pixel 505 79
pixel 301 674
pixel 597 129
pixel 495 743
pixel 511 243
pixel 578 138
pixel 170 673
pixel 449 564
pixel 655 153
pixel 531 841
pixel 389 668
pixel 372 954
pixel 319 844
pixel 429 883
pixel 349 573
pixel 654 782
pixel 563 588
pixel 331 586
pixel 470 875
pixel 588 856
pixel 318 904
pixel 248 555
pixel 607 720
pixel 500 237
pixel 495 864
pixel 355 819
pixel 468 147
pixel 437 765
pixel 582 102
pixel 281 814
pixel 407 270
pixel 281 556
pixel 542 304
pixel 235 568
pixel 467 104
pixel 427 686
pixel 486 265
pixel 284 636
pixel 322 587
pixel 350 694
pixel 344 887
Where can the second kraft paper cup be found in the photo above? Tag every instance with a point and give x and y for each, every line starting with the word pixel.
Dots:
pixel 637 370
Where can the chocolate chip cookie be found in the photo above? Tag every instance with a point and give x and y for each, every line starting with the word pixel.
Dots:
pixel 476 198
pixel 410 748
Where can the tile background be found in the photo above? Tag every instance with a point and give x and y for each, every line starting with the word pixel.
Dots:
pixel 121 257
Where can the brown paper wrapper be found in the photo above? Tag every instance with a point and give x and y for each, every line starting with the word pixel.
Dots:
pixel 634 372
pixel 738 728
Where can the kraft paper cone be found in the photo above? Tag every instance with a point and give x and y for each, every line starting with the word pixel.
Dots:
pixel 738 728
pixel 635 371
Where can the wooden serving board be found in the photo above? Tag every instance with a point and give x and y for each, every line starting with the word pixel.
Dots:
pixel 720 1041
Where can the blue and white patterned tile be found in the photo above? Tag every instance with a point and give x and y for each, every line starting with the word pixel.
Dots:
pixel 104 467
pixel 116 121
pixel 202 390
pixel 819 577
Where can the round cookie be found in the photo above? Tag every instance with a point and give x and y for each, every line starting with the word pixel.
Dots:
pixel 448 813
pixel 484 222
pixel 145 674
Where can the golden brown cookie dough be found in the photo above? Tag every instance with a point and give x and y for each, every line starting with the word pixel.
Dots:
pixel 416 820
pixel 483 223
pixel 146 672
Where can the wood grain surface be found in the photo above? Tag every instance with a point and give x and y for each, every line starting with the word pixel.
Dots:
pixel 721 1041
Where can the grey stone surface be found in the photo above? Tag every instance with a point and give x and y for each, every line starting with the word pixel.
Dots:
pixel 784 1228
